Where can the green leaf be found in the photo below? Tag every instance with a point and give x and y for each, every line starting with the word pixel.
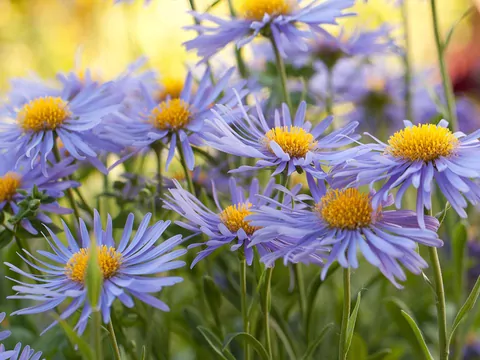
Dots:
pixel 380 355
pixel 212 293
pixel 313 346
pixel 6 236
pixel 359 350
pixel 467 306
pixel 351 322
pixel 144 352
pixel 250 339
pixel 394 307
pixel 215 343
pixel 454 26
pixel 94 278
pixel 459 242
pixel 74 338
pixel 282 336
pixel 418 334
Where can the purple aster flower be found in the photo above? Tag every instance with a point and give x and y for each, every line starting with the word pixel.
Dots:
pixel 227 225
pixel 176 121
pixel 15 176
pixel 278 19
pixel 18 354
pixel 287 145
pixel 5 333
pixel 36 116
pixel 419 156
pixel 344 221
pixel 131 269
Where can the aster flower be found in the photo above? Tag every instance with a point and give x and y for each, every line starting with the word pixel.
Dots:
pixel 344 221
pixel 278 19
pixel 18 354
pixel 131 269
pixel 15 176
pixel 173 120
pixel 287 145
pixel 36 116
pixel 227 225
pixel 420 156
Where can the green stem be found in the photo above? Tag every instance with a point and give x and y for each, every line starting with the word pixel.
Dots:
pixel 158 153
pixel 266 310
pixel 440 304
pixel 188 176
pixel 407 64
pixel 343 351
pixel 330 93
pixel 82 199
pixel 113 338
pixel 446 82
pixel 243 292
pixel 242 69
pixel 283 73
pixel 97 335
pixel 302 296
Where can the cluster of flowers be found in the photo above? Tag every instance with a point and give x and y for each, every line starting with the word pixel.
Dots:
pixel 48 130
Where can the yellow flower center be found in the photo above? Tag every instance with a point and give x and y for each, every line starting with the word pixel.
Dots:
pixel 233 217
pixel 44 113
pixel 346 209
pixel 425 142
pixel 170 87
pixel 293 140
pixel 109 261
pixel 256 9
pixel 9 183
pixel 171 114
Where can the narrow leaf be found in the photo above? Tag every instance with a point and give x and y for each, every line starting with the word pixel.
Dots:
pixel 459 242
pixel 467 306
pixel 311 349
pixel 250 339
pixel 418 335
pixel 74 338
pixel 380 355
pixel 454 26
pixel 215 343
pixel 351 322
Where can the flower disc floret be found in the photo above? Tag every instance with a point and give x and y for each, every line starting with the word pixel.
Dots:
pixel 109 261
pixel 425 142
pixel 9 183
pixel 256 9
pixel 293 140
pixel 233 217
pixel 171 87
pixel 346 209
pixel 44 113
pixel 172 114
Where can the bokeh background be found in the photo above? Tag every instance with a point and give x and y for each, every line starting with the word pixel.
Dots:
pixel 47 36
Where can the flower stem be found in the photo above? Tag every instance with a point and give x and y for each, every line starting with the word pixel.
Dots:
pixel 242 69
pixel 446 82
pixel 113 338
pixel 330 93
pixel 188 177
pixel 407 64
pixel 302 296
pixel 97 334
pixel 70 196
pixel 243 292
pixel 283 73
pixel 158 153
pixel 343 351
pixel 440 304
pixel 266 310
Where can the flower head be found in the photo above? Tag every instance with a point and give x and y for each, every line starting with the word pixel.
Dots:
pixel 5 333
pixel 419 156
pixel 38 114
pixel 342 221
pixel 18 354
pixel 16 176
pixel 290 145
pixel 173 120
pixel 278 19
pixel 130 269
pixel 227 225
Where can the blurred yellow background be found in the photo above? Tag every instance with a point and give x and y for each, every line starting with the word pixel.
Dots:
pixel 44 36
